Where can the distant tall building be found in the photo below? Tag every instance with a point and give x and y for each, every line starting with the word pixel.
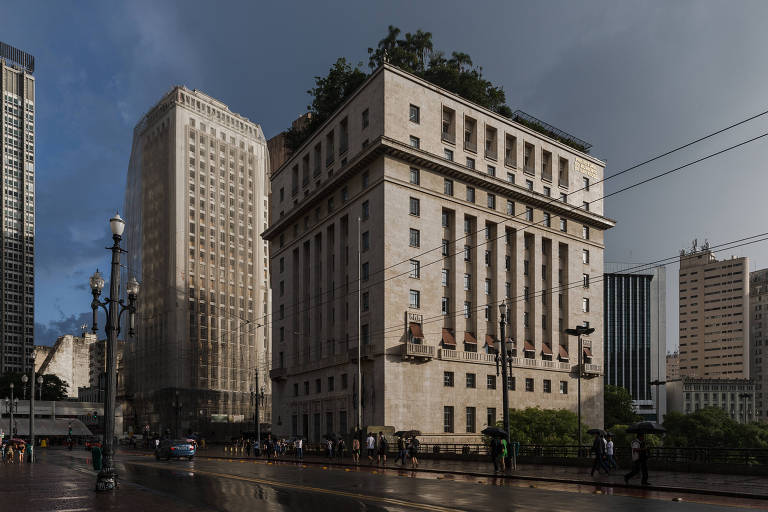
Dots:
pixel 758 340
pixel 673 366
pixel 635 335
pixel 17 302
pixel 196 203
pixel 714 315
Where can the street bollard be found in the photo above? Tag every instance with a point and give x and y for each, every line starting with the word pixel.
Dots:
pixel 96 458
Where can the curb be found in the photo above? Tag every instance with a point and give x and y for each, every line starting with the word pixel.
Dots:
pixel 529 478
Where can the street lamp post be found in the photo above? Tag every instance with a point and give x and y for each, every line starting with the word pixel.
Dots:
pixel 503 316
pixel 40 387
pixel 24 380
pixel 658 383
pixel 31 458
pixel 114 307
pixel 579 331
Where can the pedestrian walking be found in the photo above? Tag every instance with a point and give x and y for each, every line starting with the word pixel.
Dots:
pixel 370 445
pixel 639 460
pixel 413 450
pixel 9 454
pixel 401 451
pixel 300 449
pixel 383 449
pixel 609 454
pixel 504 454
pixel 356 451
pixel 496 453
pixel 598 447
pixel 340 446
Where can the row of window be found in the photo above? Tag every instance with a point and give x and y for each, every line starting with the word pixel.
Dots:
pixel 330 385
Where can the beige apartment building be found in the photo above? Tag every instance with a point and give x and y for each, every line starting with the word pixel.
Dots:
pixel 758 341
pixel 714 315
pixel 196 202
pixel 454 208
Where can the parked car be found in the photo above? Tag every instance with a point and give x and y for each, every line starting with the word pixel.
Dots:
pixel 175 449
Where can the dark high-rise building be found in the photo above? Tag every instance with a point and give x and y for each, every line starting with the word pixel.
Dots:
pixel 635 335
pixel 17 300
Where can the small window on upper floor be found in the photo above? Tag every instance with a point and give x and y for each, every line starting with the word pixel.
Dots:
pixel 471 194
pixel 470 134
pixel 413 115
pixel 491 171
pixel 365 118
pixel 586 183
pixel 586 206
pixel 511 178
pixel 529 184
pixel 510 151
pixel 415 178
pixel 470 163
pixel 448 130
pixel 448 187
pixel 448 154
pixel 415 142
pixel 562 175
pixel 585 232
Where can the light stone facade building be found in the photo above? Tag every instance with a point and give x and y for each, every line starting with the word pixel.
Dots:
pixel 459 208
pixel 196 202
pixel 69 359
pixel 758 340
pixel 714 315
pixel 688 395
pixel 17 257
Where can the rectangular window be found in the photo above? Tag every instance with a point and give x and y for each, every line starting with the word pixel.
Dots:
pixel 414 299
pixel 529 385
pixel 585 256
pixel 510 383
pixel 511 178
pixel 510 207
pixel 415 142
pixel 365 271
pixel 585 305
pixel 415 269
pixel 343 381
pixel 444 306
pixel 585 278
pixel 547 191
pixel 365 301
pixel 470 419
pixel 564 197
pixel 444 247
pixel 529 184
pixel 365 118
pixel 471 380
pixel 365 241
pixel 471 194
pixel 414 238
pixel 507 289
pixel 490 416
pixel 448 153
pixel 586 183
pixel 586 206
pixel 467 253
pixel 491 381
pixel 491 171
pixel 529 214
pixel 467 225
pixel 491 201
pixel 448 419
pixel 487 286
pixel 467 309
pixel 448 187
pixel 471 163
pixel 547 220
pixel 563 387
pixel 547 386
pixel 366 210
pixel 413 114
pixel 444 219
pixel 330 383
pixel 563 225
pixel 414 207
pixel 415 178
pixel 585 232
pixel 444 277
pixel 448 379
pixel 467 281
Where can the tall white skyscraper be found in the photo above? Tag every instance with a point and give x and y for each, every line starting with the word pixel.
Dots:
pixel 196 203
pixel 17 301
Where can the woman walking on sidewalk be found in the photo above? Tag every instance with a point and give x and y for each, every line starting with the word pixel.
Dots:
pixel 356 451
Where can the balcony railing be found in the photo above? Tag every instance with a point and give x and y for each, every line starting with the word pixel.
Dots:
pixel 447 354
pixel 448 137
pixel 470 146
pixel 278 373
pixel 415 350
pixel 592 369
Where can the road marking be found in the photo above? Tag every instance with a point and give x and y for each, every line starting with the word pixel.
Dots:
pixel 62 498
pixel 274 483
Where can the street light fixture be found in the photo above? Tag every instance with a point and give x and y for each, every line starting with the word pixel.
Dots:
pixel 579 331
pixel 504 312
pixel 24 380
pixel 40 386
pixel 114 307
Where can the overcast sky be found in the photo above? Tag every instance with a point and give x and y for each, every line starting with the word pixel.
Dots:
pixel 633 78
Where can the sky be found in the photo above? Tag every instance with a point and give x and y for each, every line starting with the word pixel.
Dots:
pixel 634 78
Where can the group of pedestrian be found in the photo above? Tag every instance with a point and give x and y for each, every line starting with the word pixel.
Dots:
pixel 407 449
pixel 11 450
pixel 602 448
pixel 335 449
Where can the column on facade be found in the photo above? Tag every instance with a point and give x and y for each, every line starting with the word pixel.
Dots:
pixel 552 289
pixel 536 286
pixel 518 285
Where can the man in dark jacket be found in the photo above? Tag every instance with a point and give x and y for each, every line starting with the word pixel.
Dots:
pixel 598 447
pixel 496 452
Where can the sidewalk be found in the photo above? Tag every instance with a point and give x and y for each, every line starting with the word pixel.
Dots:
pixel 713 484
pixel 47 487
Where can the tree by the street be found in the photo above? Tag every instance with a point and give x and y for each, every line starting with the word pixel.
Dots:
pixel 546 427
pixel 712 426
pixel 619 409
pixel 53 387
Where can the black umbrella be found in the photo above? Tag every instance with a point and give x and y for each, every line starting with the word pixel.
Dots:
pixel 646 427
pixel 494 432
pixel 594 431
pixel 400 433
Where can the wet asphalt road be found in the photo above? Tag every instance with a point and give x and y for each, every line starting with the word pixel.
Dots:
pixel 234 485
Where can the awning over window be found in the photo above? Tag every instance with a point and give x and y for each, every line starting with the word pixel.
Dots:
pixel 490 340
pixel 469 338
pixel 529 346
pixel 448 338
pixel 416 331
pixel 546 349
pixel 563 352
pixel 587 351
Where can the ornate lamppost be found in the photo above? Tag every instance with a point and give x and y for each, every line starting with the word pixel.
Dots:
pixel 579 331
pixel 114 307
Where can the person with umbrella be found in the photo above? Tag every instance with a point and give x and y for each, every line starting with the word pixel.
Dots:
pixel 498 440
